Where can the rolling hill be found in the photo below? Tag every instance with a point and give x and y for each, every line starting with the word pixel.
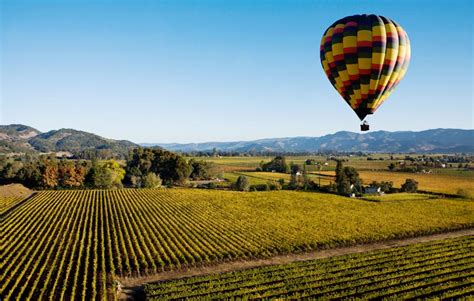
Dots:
pixel 17 138
pixel 429 141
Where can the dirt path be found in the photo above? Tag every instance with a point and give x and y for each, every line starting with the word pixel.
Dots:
pixel 131 286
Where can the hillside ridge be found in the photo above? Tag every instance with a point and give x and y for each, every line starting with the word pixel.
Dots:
pixel 18 138
pixel 427 141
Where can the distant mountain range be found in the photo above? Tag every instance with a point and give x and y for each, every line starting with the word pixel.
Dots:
pixel 432 141
pixel 18 138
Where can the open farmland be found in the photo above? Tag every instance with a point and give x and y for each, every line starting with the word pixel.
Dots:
pixel 244 163
pixel 446 182
pixel 251 163
pixel 442 269
pixel 91 237
pixel 256 177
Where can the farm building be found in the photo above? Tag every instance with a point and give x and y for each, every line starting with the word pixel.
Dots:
pixel 373 190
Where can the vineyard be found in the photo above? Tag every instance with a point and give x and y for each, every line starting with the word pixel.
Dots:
pixel 11 195
pixel 443 269
pixel 69 245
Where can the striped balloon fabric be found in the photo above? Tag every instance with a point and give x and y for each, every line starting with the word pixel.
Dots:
pixel 364 57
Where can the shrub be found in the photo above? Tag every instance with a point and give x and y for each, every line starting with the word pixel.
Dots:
pixel 260 187
pixel 242 183
pixel 151 180
pixel 410 185
pixel 274 186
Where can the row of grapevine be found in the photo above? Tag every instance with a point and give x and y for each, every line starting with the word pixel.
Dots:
pixel 72 245
pixel 12 195
pixel 442 269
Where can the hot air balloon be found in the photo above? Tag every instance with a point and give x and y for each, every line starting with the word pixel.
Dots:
pixel 364 58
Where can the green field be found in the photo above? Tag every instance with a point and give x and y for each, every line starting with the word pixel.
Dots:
pixel 440 270
pixel 72 244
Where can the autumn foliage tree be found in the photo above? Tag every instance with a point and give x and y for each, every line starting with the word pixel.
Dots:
pixel 71 174
pixel 50 175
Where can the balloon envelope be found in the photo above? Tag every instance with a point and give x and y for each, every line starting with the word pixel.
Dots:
pixel 365 57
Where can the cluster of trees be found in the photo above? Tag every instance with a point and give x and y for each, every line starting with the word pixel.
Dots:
pixel 410 185
pixel 277 164
pixel 347 180
pixel 143 168
pixel 243 184
pixel 424 162
pixel 385 186
pixel 48 172
pixel 148 167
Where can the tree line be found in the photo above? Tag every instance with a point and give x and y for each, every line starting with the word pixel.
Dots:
pixel 143 167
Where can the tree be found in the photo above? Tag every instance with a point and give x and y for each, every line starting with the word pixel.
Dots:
pixel 171 167
pixel 181 170
pixel 343 185
pixel 354 180
pixel 410 185
pixel 50 175
pixel 10 170
pixel 71 174
pixel 347 179
pixel 117 172
pixel 391 166
pixel 278 164
pixel 295 168
pixel 199 169
pixel 30 174
pixel 151 180
pixel 108 174
pixel 242 183
pixel 384 186
pixel 293 183
pixel 339 170
pixel 99 177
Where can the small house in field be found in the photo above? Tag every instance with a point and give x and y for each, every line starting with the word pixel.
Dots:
pixel 373 190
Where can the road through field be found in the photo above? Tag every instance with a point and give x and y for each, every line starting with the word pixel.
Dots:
pixel 131 287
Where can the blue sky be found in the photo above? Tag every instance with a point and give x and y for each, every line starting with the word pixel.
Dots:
pixel 194 71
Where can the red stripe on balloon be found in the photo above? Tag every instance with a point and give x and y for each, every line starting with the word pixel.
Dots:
pixel 350 50
pixel 377 38
pixel 376 66
pixel 364 43
pixel 339 57
pixel 354 77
